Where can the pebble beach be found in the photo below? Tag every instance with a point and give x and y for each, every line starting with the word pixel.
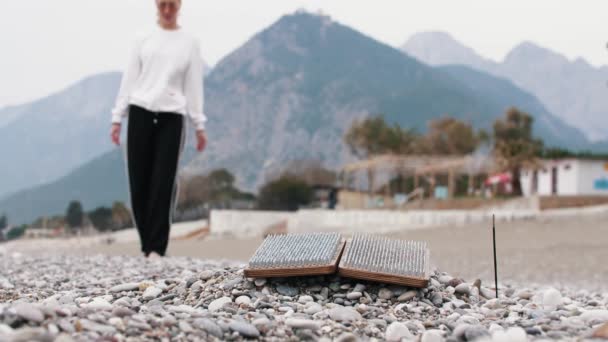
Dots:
pixel 552 286
pixel 129 298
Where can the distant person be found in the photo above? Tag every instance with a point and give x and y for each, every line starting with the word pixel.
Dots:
pixel 162 83
pixel 333 198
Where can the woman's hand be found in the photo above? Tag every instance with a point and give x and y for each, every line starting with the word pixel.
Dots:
pixel 115 133
pixel 201 140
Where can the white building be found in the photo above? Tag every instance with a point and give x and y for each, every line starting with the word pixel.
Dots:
pixel 567 177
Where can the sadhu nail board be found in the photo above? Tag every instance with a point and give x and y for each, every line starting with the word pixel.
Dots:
pixel 364 256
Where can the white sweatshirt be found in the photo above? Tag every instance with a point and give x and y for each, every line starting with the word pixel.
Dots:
pixel 164 74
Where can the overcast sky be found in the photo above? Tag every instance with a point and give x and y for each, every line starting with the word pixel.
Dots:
pixel 49 44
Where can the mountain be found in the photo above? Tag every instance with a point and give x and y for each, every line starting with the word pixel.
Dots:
pixel 504 94
pixel 99 182
pixel 572 90
pixel 48 137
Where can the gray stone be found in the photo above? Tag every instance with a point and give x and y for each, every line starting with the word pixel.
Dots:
pixel 217 304
pixel 407 296
pixel 347 337
pixel 28 334
pixel 245 329
pixel 93 326
pixel 243 300
pixel 475 332
pixel 287 290
pixel 396 331
pixel 463 289
pixel 302 323
pixel 437 299
pixel 206 275
pixel 313 308
pixel 209 326
pixel 354 295
pixel 29 312
pixel 125 287
pixel 432 336
pixel 185 327
pixel 344 314
pixel 385 293
pixel 260 282
pixel 121 311
pixel 359 288
pixel 305 299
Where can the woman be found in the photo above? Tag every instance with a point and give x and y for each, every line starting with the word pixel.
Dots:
pixel 162 84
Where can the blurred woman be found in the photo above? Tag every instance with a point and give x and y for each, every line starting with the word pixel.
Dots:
pixel 161 85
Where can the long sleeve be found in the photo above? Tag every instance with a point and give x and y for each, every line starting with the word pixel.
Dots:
pixel 129 77
pixel 193 88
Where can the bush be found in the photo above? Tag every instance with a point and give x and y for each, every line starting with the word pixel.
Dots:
pixel 16 232
pixel 286 193
pixel 101 218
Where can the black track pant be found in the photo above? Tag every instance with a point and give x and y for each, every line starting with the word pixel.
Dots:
pixel 155 141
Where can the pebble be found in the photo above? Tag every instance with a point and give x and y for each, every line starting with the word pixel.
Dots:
pixel 209 326
pixel 463 289
pixel 29 312
pixel 302 323
pixel 243 300
pixel 397 331
pixel 305 299
pixel 93 326
pixel 313 308
pixel 344 314
pixel 385 293
pixel 552 299
pixel 287 290
pixel 217 304
pixel 475 332
pixel 206 275
pixel 407 296
pixel 514 334
pixel 354 295
pixel 151 293
pixel 245 329
pixel 124 287
pixel 595 316
pixel 432 336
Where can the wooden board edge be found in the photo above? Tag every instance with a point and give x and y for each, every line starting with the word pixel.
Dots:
pixel 384 278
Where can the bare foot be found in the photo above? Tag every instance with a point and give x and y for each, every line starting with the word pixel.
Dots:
pixel 154 255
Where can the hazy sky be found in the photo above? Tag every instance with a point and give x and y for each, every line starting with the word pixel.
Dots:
pixel 49 44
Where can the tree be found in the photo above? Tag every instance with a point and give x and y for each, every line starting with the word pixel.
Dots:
pixel 16 232
pixel 121 217
pixel 449 136
pixel 221 179
pixel 514 145
pixel 373 136
pixel 3 222
pixel 101 218
pixel 311 171
pixel 288 192
pixel 74 215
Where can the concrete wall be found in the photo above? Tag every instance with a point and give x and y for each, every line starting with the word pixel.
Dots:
pixel 242 224
pixel 384 221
